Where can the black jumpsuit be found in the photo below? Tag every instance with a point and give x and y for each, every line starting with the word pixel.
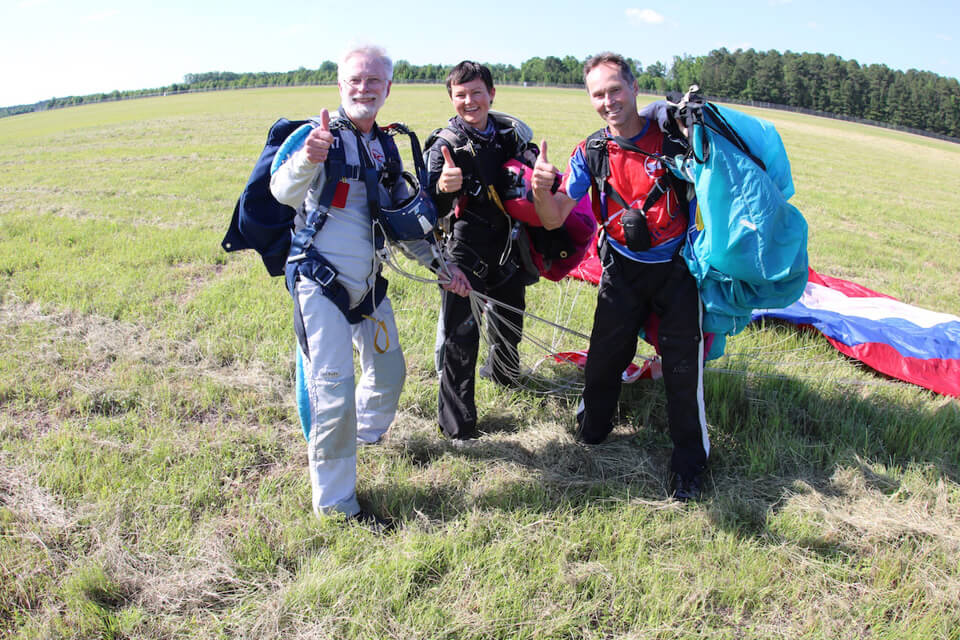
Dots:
pixel 480 244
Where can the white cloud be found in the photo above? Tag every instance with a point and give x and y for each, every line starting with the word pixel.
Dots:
pixel 644 16
pixel 778 3
pixel 944 37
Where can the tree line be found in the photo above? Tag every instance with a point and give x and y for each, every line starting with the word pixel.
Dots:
pixel 825 83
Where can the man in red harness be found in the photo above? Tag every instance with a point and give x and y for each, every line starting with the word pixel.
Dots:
pixel 644 211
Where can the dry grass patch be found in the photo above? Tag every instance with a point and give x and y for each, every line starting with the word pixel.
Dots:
pixel 106 341
pixel 867 510
pixel 29 503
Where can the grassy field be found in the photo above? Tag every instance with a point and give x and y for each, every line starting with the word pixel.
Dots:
pixel 153 477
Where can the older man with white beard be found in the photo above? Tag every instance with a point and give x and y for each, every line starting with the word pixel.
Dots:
pixel 339 296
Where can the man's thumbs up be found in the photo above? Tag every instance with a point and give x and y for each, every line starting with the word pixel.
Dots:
pixel 318 143
pixel 543 152
pixel 451 178
pixel 544 173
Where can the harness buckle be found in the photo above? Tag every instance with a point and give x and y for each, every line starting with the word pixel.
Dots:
pixel 328 275
pixel 481 269
pixel 473 188
pixel 597 143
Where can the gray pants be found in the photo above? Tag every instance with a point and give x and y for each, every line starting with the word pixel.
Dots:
pixel 336 411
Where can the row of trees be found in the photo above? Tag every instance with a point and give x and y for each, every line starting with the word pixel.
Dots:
pixel 915 99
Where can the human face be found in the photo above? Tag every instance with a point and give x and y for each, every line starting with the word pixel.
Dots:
pixel 471 100
pixel 363 89
pixel 614 99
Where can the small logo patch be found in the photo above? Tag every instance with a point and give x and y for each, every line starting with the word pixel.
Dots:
pixel 652 166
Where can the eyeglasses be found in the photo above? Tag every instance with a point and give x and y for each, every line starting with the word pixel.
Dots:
pixel 373 83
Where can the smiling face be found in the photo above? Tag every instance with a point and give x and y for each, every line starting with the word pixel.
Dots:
pixel 614 99
pixel 472 101
pixel 363 89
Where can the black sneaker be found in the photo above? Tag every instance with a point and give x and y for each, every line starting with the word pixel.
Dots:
pixel 581 438
pixel 578 435
pixel 686 488
pixel 461 440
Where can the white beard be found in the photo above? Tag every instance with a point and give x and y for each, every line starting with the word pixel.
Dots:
pixel 361 110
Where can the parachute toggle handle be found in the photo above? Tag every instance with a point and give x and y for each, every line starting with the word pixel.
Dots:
pixel 689 111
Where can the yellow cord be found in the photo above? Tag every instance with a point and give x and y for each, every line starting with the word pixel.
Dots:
pixel 381 326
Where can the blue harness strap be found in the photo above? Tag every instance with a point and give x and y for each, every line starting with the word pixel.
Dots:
pixel 305 261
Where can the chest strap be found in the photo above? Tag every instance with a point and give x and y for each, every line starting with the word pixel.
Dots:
pixel 599 164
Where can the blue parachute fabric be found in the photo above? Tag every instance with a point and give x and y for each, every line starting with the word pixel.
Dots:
pixel 749 248
pixel 293 142
pixel 259 222
pixel 303 398
pixel 763 140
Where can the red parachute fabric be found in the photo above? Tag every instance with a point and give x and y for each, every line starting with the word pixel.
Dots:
pixel 649 370
pixel 580 225
pixel 897 339
pixel 589 268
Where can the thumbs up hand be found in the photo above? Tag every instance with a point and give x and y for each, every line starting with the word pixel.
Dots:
pixel 451 178
pixel 544 173
pixel 318 143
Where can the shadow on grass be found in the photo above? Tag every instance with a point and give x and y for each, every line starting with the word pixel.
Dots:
pixel 771 437
pixel 781 437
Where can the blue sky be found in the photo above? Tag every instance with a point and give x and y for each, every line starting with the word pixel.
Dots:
pixel 54 48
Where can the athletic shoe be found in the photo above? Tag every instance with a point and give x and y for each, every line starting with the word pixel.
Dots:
pixel 687 489
pixel 459 441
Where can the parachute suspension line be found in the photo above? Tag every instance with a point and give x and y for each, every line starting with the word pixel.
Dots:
pixel 814 377
pixel 492 301
pixel 484 307
pixel 775 360
pixel 747 358
pixel 565 310
pixel 389 257
pixel 535 350
pixel 495 328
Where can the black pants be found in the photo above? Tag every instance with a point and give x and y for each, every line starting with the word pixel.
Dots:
pixel 629 292
pixel 457 409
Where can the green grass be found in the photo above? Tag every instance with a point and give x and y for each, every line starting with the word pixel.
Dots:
pixel 153 475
